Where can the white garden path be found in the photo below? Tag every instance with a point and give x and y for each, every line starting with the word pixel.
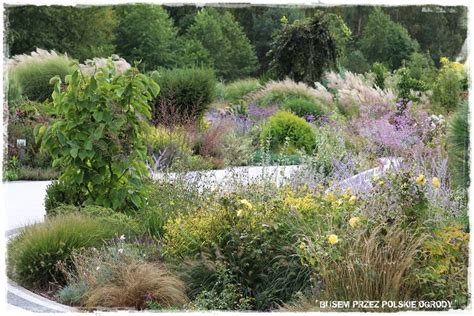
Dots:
pixel 24 200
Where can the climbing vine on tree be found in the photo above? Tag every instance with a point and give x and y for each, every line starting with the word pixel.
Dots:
pixel 97 138
pixel 303 50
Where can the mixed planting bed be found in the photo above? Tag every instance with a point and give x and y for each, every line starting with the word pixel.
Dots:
pixel 118 236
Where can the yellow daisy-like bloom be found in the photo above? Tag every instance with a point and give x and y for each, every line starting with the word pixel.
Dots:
pixel 353 199
pixel 435 182
pixel 246 203
pixel 354 221
pixel 333 239
pixel 421 180
pixel 240 213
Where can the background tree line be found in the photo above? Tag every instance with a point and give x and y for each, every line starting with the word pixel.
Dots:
pixel 234 41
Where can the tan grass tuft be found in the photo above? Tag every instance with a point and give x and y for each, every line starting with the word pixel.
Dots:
pixel 133 284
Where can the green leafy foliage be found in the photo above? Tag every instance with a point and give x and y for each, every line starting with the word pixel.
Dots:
pixel 23 118
pixel 234 56
pixel 356 62
pixel 386 41
pixel 145 33
pixel 82 32
pixel 253 244
pixel 189 52
pixel 284 127
pixel 185 92
pixel 381 73
pixel 35 252
pixel 303 50
pixel 97 139
pixel 458 144
pixel 406 84
pixel 59 193
pixel 339 31
pixel 449 84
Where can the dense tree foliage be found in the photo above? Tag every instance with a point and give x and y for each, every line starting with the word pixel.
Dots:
pixel 80 32
pixel 386 41
pixel 224 38
pixel 303 50
pixel 146 33
pixel 153 33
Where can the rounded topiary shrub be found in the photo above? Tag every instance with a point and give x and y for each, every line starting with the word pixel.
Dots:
pixel 285 127
pixel 303 107
pixel 185 94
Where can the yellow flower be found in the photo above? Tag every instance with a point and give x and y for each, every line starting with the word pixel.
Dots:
pixel 302 246
pixel 333 239
pixel 354 221
pixel 353 199
pixel 435 182
pixel 444 61
pixel 421 180
pixel 246 203
pixel 240 213
pixel 330 197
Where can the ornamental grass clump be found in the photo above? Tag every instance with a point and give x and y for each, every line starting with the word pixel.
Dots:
pixel 360 264
pixel 120 277
pixel 33 255
pixel 32 73
pixel 277 92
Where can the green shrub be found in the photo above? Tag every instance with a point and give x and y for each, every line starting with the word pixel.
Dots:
pixel 253 243
pixel 37 174
pixel 356 62
pixel 458 144
pixel 73 294
pixel 448 85
pixel 406 84
pixel 380 72
pixel 223 295
pixel 302 107
pixel 236 149
pixel 442 267
pixel 59 193
pixel 22 121
pixel 286 127
pixel 330 147
pixel 99 145
pixel 33 72
pixel 186 92
pixel 34 254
